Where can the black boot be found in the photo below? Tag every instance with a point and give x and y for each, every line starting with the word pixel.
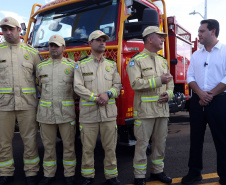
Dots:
pixel 87 181
pixel 6 179
pixel 139 181
pixel 69 180
pixel 113 181
pixel 31 180
pixel 161 177
pixel 46 180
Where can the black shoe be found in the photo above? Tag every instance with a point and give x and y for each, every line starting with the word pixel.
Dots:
pixel 191 178
pixel 139 181
pixel 161 177
pixel 69 180
pixel 6 179
pixel 222 182
pixel 113 181
pixel 31 180
pixel 46 180
pixel 87 181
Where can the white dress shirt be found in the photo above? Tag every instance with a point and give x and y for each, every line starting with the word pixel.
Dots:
pixel 208 69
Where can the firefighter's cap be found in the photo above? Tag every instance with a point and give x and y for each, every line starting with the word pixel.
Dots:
pixel 153 29
pixel 96 34
pixel 9 21
pixel 57 39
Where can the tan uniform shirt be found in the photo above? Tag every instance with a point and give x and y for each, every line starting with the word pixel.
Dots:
pixel 55 82
pixel 93 77
pixel 17 76
pixel 144 70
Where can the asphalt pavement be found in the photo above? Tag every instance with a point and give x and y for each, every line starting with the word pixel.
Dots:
pixel 176 159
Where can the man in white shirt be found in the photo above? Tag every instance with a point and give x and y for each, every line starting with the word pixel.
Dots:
pixel 207 78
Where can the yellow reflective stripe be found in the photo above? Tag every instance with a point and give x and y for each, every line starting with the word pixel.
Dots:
pixel 85 61
pixel 111 101
pixel 7 163
pixel 28 49
pixel 45 63
pixel 29 90
pixel 138 123
pixel 134 113
pixel 80 127
pixel 49 163
pixel 159 161
pixel 110 62
pixel 111 171
pixel 93 97
pixel 88 102
pixel 68 63
pixel 45 104
pixel 150 99
pixel 87 171
pixel 140 167
pixel 143 55
pixel 70 163
pixel 4 45
pixel 73 122
pixel 6 90
pixel 152 83
pixel 114 92
pixel 171 94
pixel 26 161
pixel 68 103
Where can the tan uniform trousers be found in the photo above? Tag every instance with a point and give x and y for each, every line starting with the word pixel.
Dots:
pixel 49 135
pixel 157 130
pixel 28 131
pixel 108 135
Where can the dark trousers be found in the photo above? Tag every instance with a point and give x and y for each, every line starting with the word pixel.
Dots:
pixel 215 115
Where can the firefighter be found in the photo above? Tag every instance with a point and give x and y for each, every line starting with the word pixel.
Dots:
pixel 56 110
pixel 18 101
pixel 153 85
pixel 98 83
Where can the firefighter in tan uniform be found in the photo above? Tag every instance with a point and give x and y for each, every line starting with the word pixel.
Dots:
pixel 97 82
pixel 18 101
pixel 153 85
pixel 56 109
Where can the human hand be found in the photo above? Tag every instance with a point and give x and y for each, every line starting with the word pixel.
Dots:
pixel 165 78
pixel 102 99
pixel 163 98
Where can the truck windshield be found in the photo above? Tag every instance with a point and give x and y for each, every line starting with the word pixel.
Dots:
pixel 76 21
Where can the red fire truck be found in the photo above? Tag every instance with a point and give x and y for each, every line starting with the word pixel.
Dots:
pixel 124 22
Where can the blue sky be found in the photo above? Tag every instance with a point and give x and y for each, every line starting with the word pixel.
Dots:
pixel 179 8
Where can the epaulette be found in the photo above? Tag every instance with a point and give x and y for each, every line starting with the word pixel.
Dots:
pixel 110 59
pixel 70 60
pixel 30 46
pixel 83 58
pixel 44 60
pixel 135 54
pixel 161 56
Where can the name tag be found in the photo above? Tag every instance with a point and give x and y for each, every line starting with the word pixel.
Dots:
pixel 87 74
pixel 146 69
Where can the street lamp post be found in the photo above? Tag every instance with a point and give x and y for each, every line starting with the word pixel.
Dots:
pixel 205 16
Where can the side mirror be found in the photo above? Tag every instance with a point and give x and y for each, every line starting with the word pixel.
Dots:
pixel 128 3
pixel 23 26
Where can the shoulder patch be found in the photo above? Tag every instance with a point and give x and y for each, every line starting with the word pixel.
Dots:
pixel 135 54
pixel 83 58
pixel 132 63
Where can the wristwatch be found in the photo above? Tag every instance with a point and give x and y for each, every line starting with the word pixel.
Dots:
pixel 109 94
